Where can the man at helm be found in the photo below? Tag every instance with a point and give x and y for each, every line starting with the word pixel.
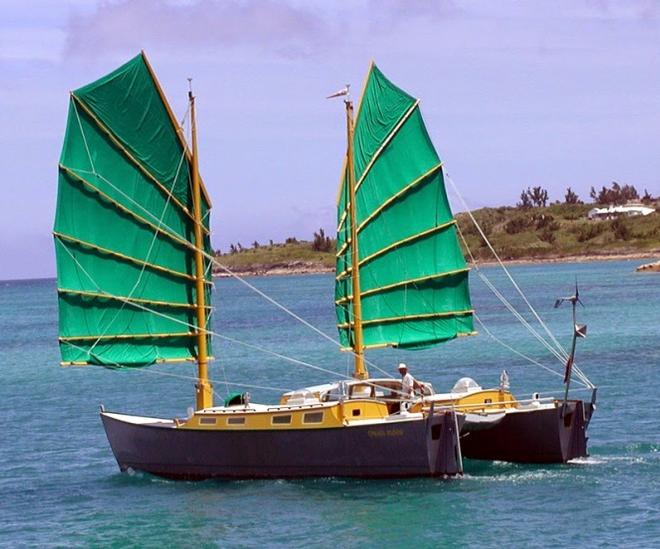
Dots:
pixel 408 383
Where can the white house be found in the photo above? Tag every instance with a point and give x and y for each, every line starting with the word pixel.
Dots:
pixel 610 212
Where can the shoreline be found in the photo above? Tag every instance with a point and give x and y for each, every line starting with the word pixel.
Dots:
pixel 302 268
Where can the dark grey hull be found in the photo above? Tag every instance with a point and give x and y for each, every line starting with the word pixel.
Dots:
pixel 535 436
pixel 415 447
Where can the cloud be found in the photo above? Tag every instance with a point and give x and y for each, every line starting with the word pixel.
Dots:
pixel 203 25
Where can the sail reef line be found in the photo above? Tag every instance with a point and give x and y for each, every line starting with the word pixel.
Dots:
pixel 413 276
pixel 124 229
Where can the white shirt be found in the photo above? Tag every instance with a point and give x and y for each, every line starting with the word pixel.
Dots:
pixel 407 384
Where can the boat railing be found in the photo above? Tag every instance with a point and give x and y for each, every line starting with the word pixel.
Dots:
pixel 436 406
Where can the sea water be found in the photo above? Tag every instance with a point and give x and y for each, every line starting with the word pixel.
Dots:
pixel 60 485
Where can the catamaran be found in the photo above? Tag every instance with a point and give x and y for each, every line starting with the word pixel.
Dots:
pixel 132 240
pixel 400 267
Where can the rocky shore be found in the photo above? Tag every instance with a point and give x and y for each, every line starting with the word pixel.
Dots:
pixel 311 267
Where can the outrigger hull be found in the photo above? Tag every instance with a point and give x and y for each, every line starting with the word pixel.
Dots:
pixel 544 435
pixel 403 448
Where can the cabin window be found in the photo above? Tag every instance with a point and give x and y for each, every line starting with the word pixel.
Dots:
pixel 207 421
pixel 282 420
pixel 313 417
pixel 356 412
pixel 235 421
pixel 488 400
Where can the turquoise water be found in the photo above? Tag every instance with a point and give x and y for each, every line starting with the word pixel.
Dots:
pixel 60 486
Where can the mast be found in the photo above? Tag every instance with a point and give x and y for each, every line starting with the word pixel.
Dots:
pixel 360 371
pixel 204 389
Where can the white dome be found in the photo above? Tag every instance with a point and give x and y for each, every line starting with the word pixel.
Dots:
pixel 464 385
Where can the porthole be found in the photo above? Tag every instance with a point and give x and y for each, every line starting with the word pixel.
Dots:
pixel 313 417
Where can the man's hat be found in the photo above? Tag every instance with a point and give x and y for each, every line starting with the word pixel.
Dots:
pixel 402 366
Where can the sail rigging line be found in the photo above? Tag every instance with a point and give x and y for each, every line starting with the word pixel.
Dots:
pixel 181 376
pixel 174 235
pixel 511 279
pixel 288 311
pixel 167 231
pixel 149 251
pixel 513 310
pixel 506 302
pixel 513 350
pixel 126 153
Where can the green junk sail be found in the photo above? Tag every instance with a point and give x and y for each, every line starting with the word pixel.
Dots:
pixel 413 277
pixel 124 227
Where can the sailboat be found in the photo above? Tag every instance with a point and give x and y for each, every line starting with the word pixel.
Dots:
pixel 132 241
pixel 412 289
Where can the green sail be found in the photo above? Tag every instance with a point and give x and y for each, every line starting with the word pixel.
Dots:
pixel 413 276
pixel 124 229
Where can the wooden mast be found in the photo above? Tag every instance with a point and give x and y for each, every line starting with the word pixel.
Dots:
pixel 360 371
pixel 204 389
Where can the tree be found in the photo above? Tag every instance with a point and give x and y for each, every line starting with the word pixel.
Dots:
pixel 616 194
pixel 239 246
pixel 232 249
pixel 525 202
pixel 571 198
pixel 321 243
pixel 593 194
pixel 539 196
pixel 255 245
pixel 647 198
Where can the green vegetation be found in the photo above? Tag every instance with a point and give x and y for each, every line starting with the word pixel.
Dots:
pixel 529 231
pixel 558 230
pixel 293 255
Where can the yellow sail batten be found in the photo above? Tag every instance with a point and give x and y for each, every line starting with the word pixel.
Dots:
pixel 398 195
pixel 157 361
pixel 125 299
pixel 380 149
pixel 120 206
pixel 386 142
pixel 425 316
pixel 127 154
pixel 103 337
pixel 343 218
pixel 417 280
pixel 124 257
pixel 407 240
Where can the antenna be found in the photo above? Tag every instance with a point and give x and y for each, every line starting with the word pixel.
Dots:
pixel 578 331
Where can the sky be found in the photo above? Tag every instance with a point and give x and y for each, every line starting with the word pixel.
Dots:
pixel 514 94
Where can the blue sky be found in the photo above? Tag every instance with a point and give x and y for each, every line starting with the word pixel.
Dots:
pixel 514 94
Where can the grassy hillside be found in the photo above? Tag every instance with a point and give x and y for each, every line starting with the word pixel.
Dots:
pixel 559 230
pixel 292 256
pixel 556 231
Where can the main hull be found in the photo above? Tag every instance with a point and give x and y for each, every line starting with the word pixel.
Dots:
pixel 543 435
pixel 402 448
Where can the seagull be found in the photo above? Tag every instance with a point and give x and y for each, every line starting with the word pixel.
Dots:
pixel 344 91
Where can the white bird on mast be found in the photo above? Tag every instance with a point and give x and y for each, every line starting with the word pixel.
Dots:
pixel 344 91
